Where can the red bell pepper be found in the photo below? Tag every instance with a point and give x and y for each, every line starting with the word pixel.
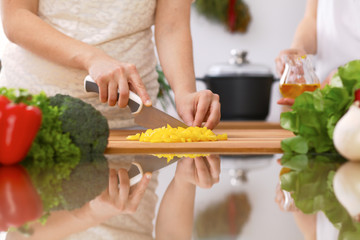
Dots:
pixel 19 125
pixel 19 200
pixel 357 95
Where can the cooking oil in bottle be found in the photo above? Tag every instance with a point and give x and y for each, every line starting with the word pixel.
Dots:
pixel 292 90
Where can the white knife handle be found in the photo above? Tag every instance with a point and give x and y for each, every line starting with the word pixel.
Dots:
pixel 137 178
pixel 135 104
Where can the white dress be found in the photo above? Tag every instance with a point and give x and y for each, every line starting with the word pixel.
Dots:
pixel 122 28
pixel 338 42
pixel 338 34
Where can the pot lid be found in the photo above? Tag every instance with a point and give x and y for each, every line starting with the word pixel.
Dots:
pixel 238 65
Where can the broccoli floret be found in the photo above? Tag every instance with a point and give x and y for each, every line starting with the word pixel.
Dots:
pixel 88 128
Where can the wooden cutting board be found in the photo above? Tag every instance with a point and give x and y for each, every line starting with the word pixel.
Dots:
pixel 243 138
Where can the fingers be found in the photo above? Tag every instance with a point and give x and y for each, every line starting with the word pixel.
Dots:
pixel 113 183
pixel 280 59
pixel 202 107
pixel 103 89
pixel 286 101
pixel 215 114
pixel 115 81
pixel 188 118
pixel 279 197
pixel 214 163
pixel 112 93
pixel 119 195
pixel 207 109
pixel 284 200
pixel 123 89
pixel 203 173
pixel 279 65
pixel 137 85
pixel 138 193
pixel 124 188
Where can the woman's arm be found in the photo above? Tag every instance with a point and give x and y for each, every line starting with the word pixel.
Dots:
pixel 25 28
pixel 176 213
pixel 304 41
pixel 305 35
pixel 174 45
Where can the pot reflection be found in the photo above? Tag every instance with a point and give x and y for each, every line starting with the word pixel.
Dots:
pixel 238 166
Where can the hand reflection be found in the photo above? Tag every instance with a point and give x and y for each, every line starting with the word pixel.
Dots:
pixel 284 200
pixel 203 172
pixel 118 198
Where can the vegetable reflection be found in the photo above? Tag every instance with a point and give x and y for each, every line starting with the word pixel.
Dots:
pixel 19 200
pixel 42 187
pixel 311 183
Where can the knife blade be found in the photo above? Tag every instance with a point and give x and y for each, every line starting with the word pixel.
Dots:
pixel 148 117
pixel 146 163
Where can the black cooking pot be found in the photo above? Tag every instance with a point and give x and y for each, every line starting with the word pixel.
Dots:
pixel 244 88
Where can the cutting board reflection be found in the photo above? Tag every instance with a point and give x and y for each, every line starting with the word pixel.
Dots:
pixel 243 138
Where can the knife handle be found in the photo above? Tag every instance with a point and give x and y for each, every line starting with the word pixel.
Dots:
pixel 136 173
pixel 135 104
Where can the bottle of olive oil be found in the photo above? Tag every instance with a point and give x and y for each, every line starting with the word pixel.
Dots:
pixel 298 76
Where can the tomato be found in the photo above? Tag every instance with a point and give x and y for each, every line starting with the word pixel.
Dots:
pixel 19 200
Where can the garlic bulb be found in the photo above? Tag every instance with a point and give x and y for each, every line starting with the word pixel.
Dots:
pixel 347 134
pixel 347 187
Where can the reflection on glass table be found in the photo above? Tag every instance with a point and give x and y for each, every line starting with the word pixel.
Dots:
pixel 237 207
pixel 242 205
pixel 324 195
pixel 94 198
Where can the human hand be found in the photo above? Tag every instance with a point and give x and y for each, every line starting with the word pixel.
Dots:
pixel 203 172
pixel 115 79
pixel 117 198
pixel 281 58
pixel 286 101
pixel 328 78
pixel 280 66
pixel 198 107
pixel 284 200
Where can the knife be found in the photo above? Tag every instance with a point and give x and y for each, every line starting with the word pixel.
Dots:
pixel 148 117
pixel 146 163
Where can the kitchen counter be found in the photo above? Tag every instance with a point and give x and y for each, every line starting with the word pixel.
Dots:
pixel 241 206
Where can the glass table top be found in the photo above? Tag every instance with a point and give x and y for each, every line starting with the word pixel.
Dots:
pixel 256 197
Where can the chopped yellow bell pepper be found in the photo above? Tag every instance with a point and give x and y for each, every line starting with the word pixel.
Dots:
pixel 179 134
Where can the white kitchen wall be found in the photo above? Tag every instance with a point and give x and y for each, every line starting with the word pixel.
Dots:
pixel 271 30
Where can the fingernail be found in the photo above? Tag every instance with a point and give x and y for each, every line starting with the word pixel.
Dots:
pixel 148 175
pixel 148 103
